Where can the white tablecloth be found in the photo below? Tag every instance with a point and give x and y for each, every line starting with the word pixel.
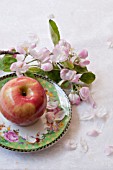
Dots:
pixel 85 24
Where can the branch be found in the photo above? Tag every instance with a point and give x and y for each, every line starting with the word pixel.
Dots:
pixel 8 52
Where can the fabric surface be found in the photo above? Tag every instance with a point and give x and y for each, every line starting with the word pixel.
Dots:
pixel 85 24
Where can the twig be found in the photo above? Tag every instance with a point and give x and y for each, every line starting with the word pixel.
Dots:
pixel 8 52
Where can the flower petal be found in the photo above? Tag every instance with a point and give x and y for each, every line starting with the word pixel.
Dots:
pixel 83 54
pixel 94 133
pixel 109 150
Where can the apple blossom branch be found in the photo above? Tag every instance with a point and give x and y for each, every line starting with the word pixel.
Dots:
pixel 8 52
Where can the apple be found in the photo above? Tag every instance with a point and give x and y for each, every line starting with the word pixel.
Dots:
pixel 23 100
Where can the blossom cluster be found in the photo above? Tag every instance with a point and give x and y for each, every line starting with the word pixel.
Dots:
pixel 62 64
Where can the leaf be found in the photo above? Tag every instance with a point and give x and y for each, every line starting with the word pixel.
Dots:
pixel 6 62
pixel 65 85
pixel 37 70
pixel 29 74
pixel 87 77
pixel 80 69
pixel 68 64
pixel 2 82
pixel 55 35
pixel 53 75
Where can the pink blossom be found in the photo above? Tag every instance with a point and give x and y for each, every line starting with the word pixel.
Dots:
pixel 76 78
pixel 74 98
pixel 61 52
pixel 83 54
pixel 86 96
pixel 65 44
pixel 43 55
pixel 47 66
pixel 27 46
pixel 11 136
pixel 84 63
pixel 66 74
pixel 19 67
pixel 84 93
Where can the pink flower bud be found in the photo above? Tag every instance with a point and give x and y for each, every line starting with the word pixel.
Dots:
pixel 84 63
pixel 46 66
pixel 83 54
pixel 74 98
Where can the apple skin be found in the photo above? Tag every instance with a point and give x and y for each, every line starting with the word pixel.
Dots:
pixel 23 100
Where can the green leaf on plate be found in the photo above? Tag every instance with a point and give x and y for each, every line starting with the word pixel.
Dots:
pixel 87 77
pixel 80 69
pixel 6 62
pixel 55 35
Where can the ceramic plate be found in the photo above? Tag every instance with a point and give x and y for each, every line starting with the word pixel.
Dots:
pixel 47 130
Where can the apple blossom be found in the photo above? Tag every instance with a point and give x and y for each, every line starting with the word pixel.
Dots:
pixel 74 98
pixel 67 74
pixel 43 55
pixel 83 54
pixel 47 66
pixel 86 96
pixel 84 63
pixel 27 46
pixel 60 52
pixel 19 67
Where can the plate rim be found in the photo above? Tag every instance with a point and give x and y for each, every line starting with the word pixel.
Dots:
pixel 55 140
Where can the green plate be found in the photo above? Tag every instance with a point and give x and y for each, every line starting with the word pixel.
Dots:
pixel 43 133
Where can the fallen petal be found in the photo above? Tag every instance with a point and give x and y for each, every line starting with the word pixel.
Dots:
pixel 109 150
pixel 60 115
pixel 93 133
pixel 31 139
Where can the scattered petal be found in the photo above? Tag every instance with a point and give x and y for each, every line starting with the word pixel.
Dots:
pixel 60 115
pixel 93 133
pixel 84 145
pixel 50 117
pixel 71 145
pixel 31 139
pixel 52 105
pixel 109 150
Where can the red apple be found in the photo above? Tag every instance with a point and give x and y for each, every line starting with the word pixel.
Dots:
pixel 23 100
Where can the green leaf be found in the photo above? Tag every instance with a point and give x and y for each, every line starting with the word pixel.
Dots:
pixel 65 85
pixel 2 82
pixel 88 77
pixel 80 69
pixel 29 74
pixel 6 62
pixel 36 70
pixel 68 64
pixel 55 35
pixel 53 75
